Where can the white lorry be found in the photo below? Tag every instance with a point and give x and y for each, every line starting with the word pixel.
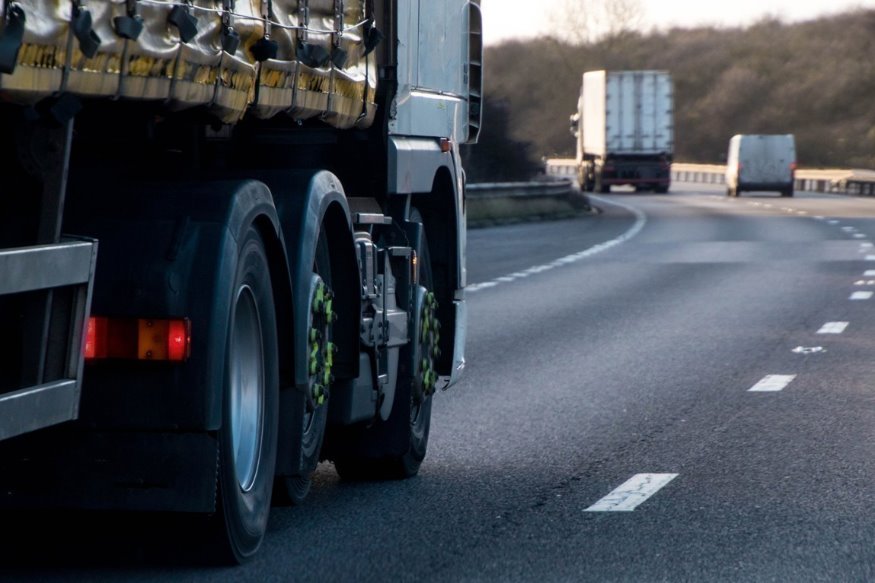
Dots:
pixel 277 196
pixel 624 128
pixel 761 162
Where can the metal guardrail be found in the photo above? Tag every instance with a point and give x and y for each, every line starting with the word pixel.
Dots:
pixel 554 188
pixel 491 203
pixel 840 181
pixel 510 202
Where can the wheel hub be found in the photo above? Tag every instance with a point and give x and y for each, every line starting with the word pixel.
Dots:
pixel 429 339
pixel 321 349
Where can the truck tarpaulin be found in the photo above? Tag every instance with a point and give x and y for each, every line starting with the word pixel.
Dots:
pixel 238 58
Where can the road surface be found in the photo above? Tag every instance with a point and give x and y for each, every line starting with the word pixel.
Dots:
pixel 681 388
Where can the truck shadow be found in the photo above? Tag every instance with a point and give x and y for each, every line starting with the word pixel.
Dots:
pixel 66 539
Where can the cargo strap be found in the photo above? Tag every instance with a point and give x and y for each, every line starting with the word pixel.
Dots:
pixel 83 30
pixel 265 48
pixel 372 35
pixel 230 38
pixel 129 26
pixel 11 38
pixel 338 54
pixel 184 21
pixel 308 54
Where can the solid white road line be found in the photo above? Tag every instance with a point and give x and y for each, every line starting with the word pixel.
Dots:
pixel 640 221
pixel 833 328
pixel 632 492
pixel 772 383
pixel 861 295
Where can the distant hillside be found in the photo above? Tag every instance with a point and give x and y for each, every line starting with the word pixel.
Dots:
pixel 815 79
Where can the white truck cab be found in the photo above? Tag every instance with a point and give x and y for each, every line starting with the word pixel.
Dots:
pixel 761 162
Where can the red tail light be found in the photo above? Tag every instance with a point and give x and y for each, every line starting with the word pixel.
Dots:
pixel 138 339
pixel 793 166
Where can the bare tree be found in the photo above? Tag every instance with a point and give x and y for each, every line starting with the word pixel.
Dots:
pixel 590 21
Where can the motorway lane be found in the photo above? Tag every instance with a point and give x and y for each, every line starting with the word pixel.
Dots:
pixel 636 359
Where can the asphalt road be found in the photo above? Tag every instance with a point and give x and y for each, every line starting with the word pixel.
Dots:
pixel 607 350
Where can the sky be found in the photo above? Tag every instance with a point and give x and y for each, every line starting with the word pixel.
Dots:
pixel 504 19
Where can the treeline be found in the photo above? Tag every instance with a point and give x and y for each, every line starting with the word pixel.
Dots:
pixel 814 79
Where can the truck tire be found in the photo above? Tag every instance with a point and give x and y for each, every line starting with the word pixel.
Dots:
pixel 661 189
pixel 787 191
pixel 395 448
pixel 247 438
pixel 314 404
pixel 599 185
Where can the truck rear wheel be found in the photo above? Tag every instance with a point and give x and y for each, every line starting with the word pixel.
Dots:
pixel 247 438
pixel 314 405
pixel 395 448
pixel 599 184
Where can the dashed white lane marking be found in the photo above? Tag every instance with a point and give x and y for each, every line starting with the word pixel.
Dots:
pixel 833 328
pixel 640 221
pixel 865 282
pixel 808 350
pixel 870 257
pixel 869 273
pixel 632 492
pixel 861 295
pixel 772 383
pixel 849 229
pixel 859 236
pixel 833 222
pixel 865 245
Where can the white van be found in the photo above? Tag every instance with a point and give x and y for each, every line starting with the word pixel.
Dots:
pixel 761 162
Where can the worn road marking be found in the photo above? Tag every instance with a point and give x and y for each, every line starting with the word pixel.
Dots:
pixel 861 295
pixel 833 328
pixel 870 257
pixel 865 245
pixel 772 383
pixel 632 492
pixel 859 236
pixel 849 229
pixel 833 222
pixel 808 350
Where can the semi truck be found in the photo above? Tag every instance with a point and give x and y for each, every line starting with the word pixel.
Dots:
pixel 624 129
pixel 232 245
